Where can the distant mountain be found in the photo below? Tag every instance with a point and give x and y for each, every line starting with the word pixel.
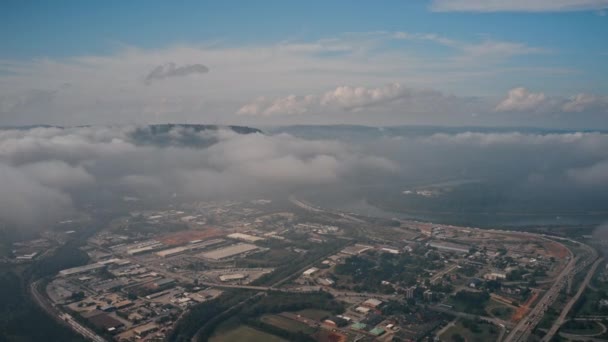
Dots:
pixel 165 128
pixel 193 135
pixel 183 134
pixel 354 132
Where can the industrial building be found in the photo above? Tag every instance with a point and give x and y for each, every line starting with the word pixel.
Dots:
pixel 409 292
pixel 192 246
pixel 372 303
pixel 89 267
pixel 230 251
pixel 362 309
pixel 450 247
pixel 145 248
pixel 164 283
pixel 146 329
pixel 390 250
pixel 244 237
pixel 103 321
pixel 172 251
pixel 81 269
pixel 232 277
pixel 494 276
pixel 28 257
pixel 310 271
pixel 325 281
pixel 356 249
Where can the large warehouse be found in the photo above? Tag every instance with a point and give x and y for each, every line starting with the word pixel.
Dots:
pixel 230 251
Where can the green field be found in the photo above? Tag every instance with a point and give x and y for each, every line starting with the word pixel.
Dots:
pixel 499 310
pixel 272 258
pixel 471 332
pixel 314 314
pixel 245 333
pixel 5 249
pixel 470 301
pixel 287 324
pixel 581 328
pixel 588 304
pixel 548 318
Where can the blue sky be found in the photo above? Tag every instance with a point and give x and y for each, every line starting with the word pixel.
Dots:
pixel 462 48
pixel 63 28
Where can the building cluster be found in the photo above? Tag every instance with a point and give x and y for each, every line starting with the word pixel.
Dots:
pixel 141 278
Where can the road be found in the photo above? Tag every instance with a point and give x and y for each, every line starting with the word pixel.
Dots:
pixel 302 289
pixel 196 336
pixel 447 326
pixel 528 323
pixel 312 208
pixel 519 333
pixel 442 272
pixel 64 318
pixel 492 320
pixel 261 289
pixel 502 325
pixel 305 206
pixel 562 317
pixel 579 336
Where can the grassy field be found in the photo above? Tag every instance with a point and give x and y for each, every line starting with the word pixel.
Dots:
pixel 581 328
pixel 314 314
pixel 553 312
pixel 481 333
pixel 287 324
pixel 499 310
pixel 245 333
pixel 272 258
pixel 467 307
pixel 588 304
pixel 548 318
pixel 5 249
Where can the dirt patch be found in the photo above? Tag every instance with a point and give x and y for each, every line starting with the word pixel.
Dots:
pixel 557 250
pixel 523 310
pixel 502 300
pixel 330 336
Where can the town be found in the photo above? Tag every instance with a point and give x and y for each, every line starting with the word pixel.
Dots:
pixel 299 272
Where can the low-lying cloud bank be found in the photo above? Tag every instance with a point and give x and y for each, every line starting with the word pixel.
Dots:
pixel 46 172
pixel 44 169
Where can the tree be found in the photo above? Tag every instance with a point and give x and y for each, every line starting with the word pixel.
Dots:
pixel 457 338
pixel 76 296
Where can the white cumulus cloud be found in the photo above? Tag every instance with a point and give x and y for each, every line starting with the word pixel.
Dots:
pixel 583 102
pixel 289 105
pixel 346 98
pixel 352 98
pixel 520 99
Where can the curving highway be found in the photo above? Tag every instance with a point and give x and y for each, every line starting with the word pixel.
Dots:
pixel 522 330
pixel 65 318
pixel 562 317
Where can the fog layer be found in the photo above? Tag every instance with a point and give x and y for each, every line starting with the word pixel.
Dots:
pixel 50 173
